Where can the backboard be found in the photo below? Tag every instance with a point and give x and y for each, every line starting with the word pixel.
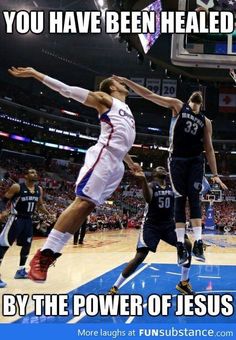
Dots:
pixel 203 50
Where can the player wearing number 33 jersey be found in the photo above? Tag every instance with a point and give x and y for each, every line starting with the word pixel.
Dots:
pixel 186 133
pixel 190 135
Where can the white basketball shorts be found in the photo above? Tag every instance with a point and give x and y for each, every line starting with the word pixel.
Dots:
pixel 100 175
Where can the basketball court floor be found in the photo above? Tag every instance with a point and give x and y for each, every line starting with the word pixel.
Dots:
pixel 95 266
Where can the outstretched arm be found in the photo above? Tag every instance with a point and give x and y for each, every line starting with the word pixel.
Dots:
pixel 147 189
pixel 210 154
pixel 171 103
pixel 97 100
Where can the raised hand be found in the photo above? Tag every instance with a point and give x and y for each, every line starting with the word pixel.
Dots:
pixel 119 79
pixel 139 174
pixel 217 180
pixel 135 168
pixel 21 72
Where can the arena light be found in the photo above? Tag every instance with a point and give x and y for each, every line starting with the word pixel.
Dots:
pixel 163 148
pixel 154 129
pixel 37 142
pixel 141 146
pixel 20 138
pixel 102 6
pixel 52 145
pixel 67 148
pixel 70 113
pixel 4 134
pixel 87 137
pixel 47 144
pixel 101 3
pixel 64 132
pixel 81 150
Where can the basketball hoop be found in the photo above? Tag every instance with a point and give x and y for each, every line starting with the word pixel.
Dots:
pixel 232 74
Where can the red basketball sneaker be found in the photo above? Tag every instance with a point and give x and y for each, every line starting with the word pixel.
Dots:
pixel 40 263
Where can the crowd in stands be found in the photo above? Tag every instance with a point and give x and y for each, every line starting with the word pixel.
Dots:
pixel 124 209
pixel 224 214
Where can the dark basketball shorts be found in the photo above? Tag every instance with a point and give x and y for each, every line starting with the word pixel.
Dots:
pixel 17 229
pixel 186 175
pixel 151 234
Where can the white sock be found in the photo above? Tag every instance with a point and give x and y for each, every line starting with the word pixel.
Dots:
pixel 185 274
pixel 21 267
pixel 180 232
pixel 67 237
pixel 119 281
pixel 56 241
pixel 197 232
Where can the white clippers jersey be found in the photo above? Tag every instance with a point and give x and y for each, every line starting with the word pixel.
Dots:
pixel 118 128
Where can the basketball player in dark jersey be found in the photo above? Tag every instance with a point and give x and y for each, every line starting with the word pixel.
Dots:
pixel 190 135
pixel 24 198
pixel 158 225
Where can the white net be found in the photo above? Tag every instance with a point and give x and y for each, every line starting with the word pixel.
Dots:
pixel 232 74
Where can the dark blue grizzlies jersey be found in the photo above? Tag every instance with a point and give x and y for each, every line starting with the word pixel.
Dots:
pixel 186 133
pixel 161 207
pixel 24 203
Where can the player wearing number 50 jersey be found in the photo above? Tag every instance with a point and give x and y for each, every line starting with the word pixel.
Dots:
pixel 158 224
pixel 24 198
pixel 190 135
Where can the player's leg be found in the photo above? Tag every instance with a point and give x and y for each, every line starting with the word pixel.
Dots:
pixel 148 241
pixel 24 240
pixel 195 180
pixel 69 221
pixel 76 237
pixel 184 286
pixel 24 253
pixel 7 238
pixel 3 251
pixel 178 174
pixel 129 269
pixel 170 237
pixel 93 180
pixel 82 232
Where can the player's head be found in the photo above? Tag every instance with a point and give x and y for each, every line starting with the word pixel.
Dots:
pixel 159 173
pixel 110 86
pixel 195 100
pixel 31 175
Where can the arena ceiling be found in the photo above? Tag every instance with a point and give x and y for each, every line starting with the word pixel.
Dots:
pixel 81 56
pixel 71 56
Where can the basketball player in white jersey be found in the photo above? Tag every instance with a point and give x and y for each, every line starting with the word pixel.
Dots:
pixel 103 168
